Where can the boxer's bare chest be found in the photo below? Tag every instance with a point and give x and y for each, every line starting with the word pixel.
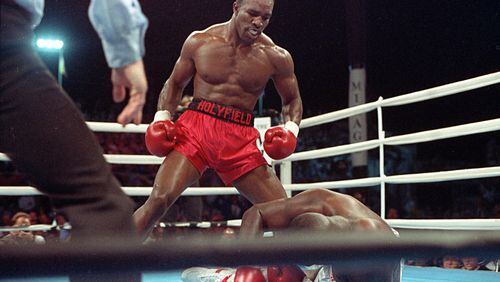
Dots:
pixel 220 63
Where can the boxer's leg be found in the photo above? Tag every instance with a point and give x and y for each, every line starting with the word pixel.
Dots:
pixel 260 185
pixel 174 176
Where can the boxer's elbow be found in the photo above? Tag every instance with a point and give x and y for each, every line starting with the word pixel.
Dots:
pixel 252 223
pixel 252 214
pixel 173 86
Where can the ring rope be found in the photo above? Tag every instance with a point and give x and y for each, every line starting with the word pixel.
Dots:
pixel 420 224
pixel 37 227
pixel 443 90
pixel 446 224
pixel 419 137
pixel 444 133
pixel 202 224
pixel 351 251
pixel 427 177
pixel 131 191
pixel 461 174
pixel 116 127
pixel 134 159
pixel 418 96
pixel 423 224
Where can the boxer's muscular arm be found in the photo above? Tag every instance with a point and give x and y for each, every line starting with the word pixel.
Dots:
pixel 252 223
pixel 285 82
pixel 184 70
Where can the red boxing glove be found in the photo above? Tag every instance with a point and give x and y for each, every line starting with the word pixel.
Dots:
pixel 285 273
pixel 280 141
pixel 249 274
pixel 160 135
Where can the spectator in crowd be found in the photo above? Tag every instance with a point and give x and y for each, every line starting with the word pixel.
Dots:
pixel 33 217
pixel 360 197
pixel 64 233
pixel 341 170
pixel 22 219
pixel 43 218
pixel 471 263
pixel 393 213
pixel 451 262
pixel 422 262
pixel 9 176
pixel 6 218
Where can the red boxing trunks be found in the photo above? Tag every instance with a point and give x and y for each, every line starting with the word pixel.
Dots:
pixel 220 137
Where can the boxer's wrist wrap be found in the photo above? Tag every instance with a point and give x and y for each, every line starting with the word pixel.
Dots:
pixel 162 115
pixel 293 127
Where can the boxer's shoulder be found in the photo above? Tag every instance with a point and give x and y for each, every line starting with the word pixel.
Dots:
pixel 212 33
pixel 280 58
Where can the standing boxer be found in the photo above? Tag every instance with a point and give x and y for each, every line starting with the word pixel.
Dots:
pixel 231 64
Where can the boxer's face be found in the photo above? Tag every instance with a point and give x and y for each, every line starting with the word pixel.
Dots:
pixel 251 18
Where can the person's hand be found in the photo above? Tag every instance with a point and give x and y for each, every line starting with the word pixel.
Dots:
pixel 25 236
pixel 133 78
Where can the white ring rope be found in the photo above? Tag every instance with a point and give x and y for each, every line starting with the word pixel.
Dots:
pixel 424 136
pixel 418 96
pixel 428 177
pixel 34 227
pixel 443 90
pixel 420 224
pixel 119 159
pixel 133 159
pixel 116 128
pixel 338 115
pixel 37 227
pixel 446 224
pixel 444 133
pixel 332 151
pixel 131 191
pixel 419 137
pixel 191 191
